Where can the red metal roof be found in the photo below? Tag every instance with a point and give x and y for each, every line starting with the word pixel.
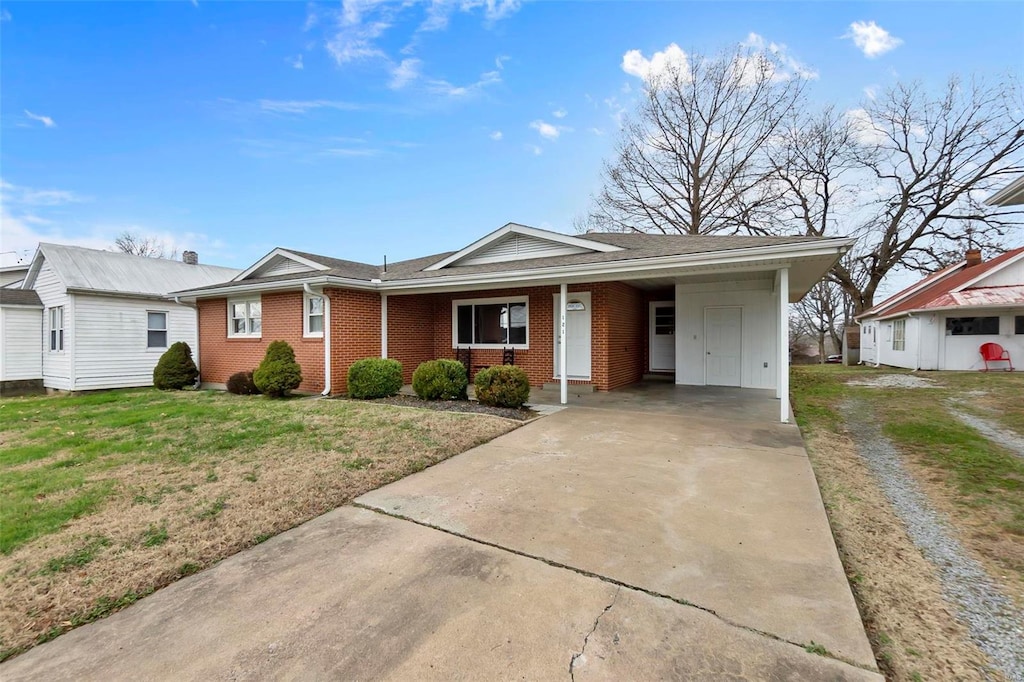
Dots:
pixel 939 290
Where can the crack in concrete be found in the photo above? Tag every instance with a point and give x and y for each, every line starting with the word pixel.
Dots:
pixel 612 581
pixel 572 661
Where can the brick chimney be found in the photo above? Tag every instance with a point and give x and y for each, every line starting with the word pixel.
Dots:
pixel 192 258
pixel 973 257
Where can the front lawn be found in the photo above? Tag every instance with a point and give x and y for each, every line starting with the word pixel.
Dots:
pixel 109 496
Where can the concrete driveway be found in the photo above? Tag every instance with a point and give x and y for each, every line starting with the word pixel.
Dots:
pixel 633 542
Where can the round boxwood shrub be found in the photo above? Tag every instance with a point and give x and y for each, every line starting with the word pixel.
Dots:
pixel 175 370
pixel 241 383
pixel 278 373
pixel 502 386
pixel 371 378
pixel 440 380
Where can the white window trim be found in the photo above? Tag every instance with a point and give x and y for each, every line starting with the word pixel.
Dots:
pixel 486 301
pixel 166 330
pixel 50 328
pixel 899 334
pixel 232 302
pixel 306 315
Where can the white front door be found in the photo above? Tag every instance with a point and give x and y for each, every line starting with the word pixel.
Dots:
pixel 723 329
pixel 663 336
pixel 577 332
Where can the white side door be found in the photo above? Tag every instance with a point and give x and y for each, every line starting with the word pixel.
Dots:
pixel 577 332
pixel 662 333
pixel 723 356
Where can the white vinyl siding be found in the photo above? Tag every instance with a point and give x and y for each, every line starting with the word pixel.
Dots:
pixel 57 367
pixel 280 265
pixel 759 329
pixel 111 338
pixel 21 343
pixel 1009 275
pixel 515 246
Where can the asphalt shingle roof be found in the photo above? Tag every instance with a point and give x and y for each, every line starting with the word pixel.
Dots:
pixel 19 297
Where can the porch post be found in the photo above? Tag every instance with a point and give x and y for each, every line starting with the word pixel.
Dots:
pixel 784 345
pixel 383 325
pixel 561 343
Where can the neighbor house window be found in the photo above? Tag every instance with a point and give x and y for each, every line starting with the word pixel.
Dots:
pixel 899 335
pixel 491 322
pixel 245 317
pixel 57 328
pixel 972 326
pixel 314 325
pixel 1018 324
pixel 156 330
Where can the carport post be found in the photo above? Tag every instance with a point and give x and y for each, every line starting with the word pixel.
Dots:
pixel 784 345
pixel 561 343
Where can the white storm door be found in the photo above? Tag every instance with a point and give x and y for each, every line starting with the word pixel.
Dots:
pixel 663 336
pixel 577 332
pixel 723 330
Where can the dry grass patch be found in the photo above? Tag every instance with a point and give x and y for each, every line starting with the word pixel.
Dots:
pixel 108 497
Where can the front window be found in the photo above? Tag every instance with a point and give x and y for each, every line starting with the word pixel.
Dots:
pixel 57 328
pixel 1018 324
pixel 899 335
pixel 972 326
pixel 156 330
pixel 491 322
pixel 245 317
pixel 314 324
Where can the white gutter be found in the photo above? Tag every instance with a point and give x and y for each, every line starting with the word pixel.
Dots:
pixel 327 333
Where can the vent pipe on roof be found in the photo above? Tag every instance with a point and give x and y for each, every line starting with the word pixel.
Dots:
pixel 190 257
pixel 973 257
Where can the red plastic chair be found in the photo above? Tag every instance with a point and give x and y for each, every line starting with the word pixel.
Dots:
pixel 993 352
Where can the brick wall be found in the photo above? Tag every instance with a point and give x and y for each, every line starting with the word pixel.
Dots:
pixel 355 331
pixel 220 356
pixel 411 331
pixel 618 334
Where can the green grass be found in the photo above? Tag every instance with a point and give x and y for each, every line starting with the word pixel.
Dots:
pixel 983 474
pixel 64 451
pixel 78 558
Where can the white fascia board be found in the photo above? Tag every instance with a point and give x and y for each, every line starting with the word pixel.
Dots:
pixel 877 311
pixel 510 228
pixel 634 267
pixel 27 306
pixel 1011 195
pixel 34 268
pixel 278 285
pixel 284 253
pixel 1008 262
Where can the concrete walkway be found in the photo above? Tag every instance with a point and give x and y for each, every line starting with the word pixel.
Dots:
pixel 591 544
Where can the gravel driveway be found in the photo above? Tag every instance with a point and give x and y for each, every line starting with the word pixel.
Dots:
pixel 995 624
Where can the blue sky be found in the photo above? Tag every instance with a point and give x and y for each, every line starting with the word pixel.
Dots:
pixel 370 129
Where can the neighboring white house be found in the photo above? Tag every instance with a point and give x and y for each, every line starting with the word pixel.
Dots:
pixel 942 321
pixel 21 339
pixel 102 319
pixel 12 274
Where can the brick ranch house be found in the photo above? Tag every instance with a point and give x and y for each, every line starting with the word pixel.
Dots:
pixel 610 307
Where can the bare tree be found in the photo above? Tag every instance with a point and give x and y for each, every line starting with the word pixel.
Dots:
pixel 823 315
pixel 928 163
pixel 140 245
pixel 692 159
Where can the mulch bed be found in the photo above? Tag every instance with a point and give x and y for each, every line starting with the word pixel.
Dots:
pixel 520 414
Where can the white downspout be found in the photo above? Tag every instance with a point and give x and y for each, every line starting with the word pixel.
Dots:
pixel 327 333
pixel 383 325
pixel 562 353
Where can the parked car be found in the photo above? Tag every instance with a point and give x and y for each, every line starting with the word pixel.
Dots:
pixel 834 359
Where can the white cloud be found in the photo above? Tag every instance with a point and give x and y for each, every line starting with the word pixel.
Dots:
pixel 871 92
pixel 17 195
pixel 443 87
pixel 671 59
pixel 872 39
pixel 304 106
pixel 863 127
pixel 496 136
pixel 403 74
pixel 500 60
pixel 535 149
pixel 5 15
pixel 45 120
pixel 560 113
pixel 785 65
pixel 294 62
pixel 597 131
pixel 546 130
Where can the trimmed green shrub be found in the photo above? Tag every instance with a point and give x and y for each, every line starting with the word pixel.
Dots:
pixel 241 383
pixel 371 378
pixel 175 370
pixel 440 380
pixel 278 373
pixel 502 386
